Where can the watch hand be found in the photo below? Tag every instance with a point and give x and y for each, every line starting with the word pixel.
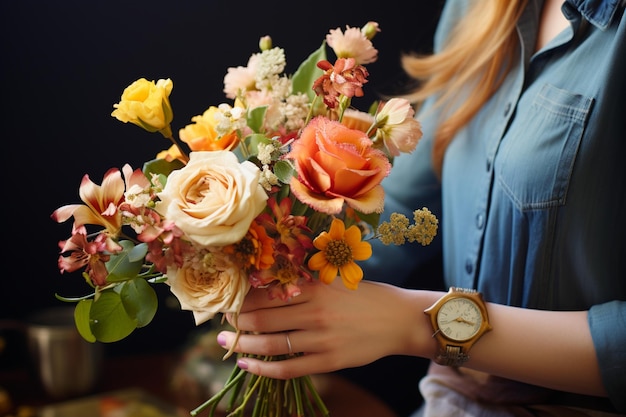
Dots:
pixel 460 320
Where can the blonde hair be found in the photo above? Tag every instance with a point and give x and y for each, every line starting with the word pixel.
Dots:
pixel 479 52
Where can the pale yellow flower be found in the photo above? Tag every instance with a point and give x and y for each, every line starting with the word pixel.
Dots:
pixel 425 227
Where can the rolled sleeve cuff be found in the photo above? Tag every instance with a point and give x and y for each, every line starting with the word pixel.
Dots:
pixel 608 331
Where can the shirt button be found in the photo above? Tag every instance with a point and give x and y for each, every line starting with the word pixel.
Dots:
pixel 488 165
pixel 469 267
pixel 480 220
pixel 507 109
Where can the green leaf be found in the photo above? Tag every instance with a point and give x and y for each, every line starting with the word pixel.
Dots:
pixel 253 142
pixel 138 253
pixel 161 166
pixel 255 118
pixel 308 72
pixel 284 171
pixel 126 264
pixel 299 208
pixel 81 318
pixel 140 300
pixel 109 320
pixel 372 219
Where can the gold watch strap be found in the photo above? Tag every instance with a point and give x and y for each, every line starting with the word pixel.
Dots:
pixel 451 356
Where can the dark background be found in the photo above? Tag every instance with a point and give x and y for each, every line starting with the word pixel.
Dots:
pixel 66 62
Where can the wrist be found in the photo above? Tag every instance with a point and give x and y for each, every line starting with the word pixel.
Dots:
pixel 419 336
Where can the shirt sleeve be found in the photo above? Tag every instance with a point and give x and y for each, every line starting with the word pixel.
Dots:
pixel 608 330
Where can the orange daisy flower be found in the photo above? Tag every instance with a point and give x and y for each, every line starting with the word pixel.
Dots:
pixel 339 248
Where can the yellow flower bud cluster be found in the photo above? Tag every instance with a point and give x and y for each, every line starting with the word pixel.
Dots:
pixel 398 230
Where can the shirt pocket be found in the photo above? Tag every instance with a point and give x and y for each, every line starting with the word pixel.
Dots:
pixel 537 155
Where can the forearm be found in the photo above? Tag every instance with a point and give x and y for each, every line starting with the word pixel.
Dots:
pixel 553 349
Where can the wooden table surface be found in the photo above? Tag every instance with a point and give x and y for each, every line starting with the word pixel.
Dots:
pixel 152 374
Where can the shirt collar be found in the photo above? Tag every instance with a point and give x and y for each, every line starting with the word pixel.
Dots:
pixel 599 13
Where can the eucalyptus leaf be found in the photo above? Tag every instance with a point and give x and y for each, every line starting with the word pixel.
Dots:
pixel 81 318
pixel 109 320
pixel 284 171
pixel 140 300
pixel 138 253
pixel 126 264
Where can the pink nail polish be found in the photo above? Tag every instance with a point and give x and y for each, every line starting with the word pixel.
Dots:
pixel 242 364
pixel 221 340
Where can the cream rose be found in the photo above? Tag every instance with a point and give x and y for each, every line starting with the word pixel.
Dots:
pixel 209 283
pixel 214 198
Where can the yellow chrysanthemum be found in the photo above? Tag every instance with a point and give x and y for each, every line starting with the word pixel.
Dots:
pixel 338 249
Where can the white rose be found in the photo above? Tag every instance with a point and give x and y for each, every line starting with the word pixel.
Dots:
pixel 214 198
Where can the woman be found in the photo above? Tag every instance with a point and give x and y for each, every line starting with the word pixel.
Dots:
pixel 522 108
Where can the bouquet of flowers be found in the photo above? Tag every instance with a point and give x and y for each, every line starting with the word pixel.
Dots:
pixel 277 186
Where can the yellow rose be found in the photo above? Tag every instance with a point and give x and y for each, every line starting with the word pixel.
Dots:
pixel 209 282
pixel 214 198
pixel 147 105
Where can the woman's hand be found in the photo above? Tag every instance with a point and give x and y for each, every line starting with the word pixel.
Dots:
pixel 331 326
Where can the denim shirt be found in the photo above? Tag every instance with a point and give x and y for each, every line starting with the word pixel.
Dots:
pixel 532 197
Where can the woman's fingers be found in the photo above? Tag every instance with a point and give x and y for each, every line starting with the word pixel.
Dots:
pixel 281 343
pixel 292 367
pixel 268 345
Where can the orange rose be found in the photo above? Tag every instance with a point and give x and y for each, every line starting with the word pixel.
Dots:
pixel 202 134
pixel 337 165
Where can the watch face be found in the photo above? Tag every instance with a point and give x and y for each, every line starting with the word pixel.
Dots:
pixel 459 319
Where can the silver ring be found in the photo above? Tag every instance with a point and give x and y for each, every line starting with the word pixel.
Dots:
pixel 289 344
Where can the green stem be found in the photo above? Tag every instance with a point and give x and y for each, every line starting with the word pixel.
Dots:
pixel 318 400
pixel 246 398
pixel 217 397
pixel 297 391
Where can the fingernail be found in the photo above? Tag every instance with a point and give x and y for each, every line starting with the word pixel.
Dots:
pixel 221 339
pixel 242 364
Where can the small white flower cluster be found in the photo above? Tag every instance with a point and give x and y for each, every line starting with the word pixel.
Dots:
pixel 229 118
pixel 266 155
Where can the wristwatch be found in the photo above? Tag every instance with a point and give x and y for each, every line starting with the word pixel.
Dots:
pixel 459 319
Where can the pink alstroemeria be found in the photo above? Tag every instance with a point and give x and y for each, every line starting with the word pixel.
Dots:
pixel 101 204
pixel 397 127
pixel 138 188
pixel 77 252
pixel 346 78
pixel 165 246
